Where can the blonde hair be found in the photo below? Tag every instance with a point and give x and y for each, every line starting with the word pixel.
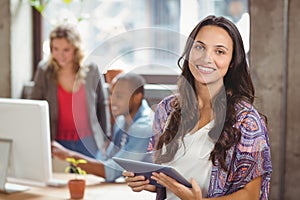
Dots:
pixel 71 34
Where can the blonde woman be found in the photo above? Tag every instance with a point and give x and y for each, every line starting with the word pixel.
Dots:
pixel 79 116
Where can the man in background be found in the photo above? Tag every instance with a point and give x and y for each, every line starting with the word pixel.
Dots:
pixel 132 129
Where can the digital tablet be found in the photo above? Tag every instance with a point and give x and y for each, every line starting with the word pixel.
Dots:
pixel 146 169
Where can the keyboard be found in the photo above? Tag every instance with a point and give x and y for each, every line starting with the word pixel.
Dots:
pixel 12 187
pixel 57 182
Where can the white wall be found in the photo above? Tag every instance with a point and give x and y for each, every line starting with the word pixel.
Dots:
pixel 15 46
pixel 21 45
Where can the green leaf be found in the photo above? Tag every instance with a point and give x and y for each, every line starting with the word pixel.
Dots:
pixel 67 1
pixel 81 161
pixel 73 167
pixel 81 171
pixel 67 170
pixel 39 5
pixel 71 160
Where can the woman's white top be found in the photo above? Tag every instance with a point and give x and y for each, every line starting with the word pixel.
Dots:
pixel 192 159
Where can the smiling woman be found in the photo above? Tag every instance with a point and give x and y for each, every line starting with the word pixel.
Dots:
pixel 210 56
pixel 211 123
pixel 65 82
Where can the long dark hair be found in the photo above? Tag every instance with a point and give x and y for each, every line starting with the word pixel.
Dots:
pixel 238 87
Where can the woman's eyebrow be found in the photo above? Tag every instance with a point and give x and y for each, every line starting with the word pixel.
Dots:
pixel 198 41
pixel 219 45
pixel 222 46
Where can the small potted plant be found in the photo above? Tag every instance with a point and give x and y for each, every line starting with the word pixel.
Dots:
pixel 77 184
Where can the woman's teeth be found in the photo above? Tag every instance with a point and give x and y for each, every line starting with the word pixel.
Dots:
pixel 205 69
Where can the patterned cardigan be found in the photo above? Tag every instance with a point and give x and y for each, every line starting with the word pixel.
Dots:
pixel 248 159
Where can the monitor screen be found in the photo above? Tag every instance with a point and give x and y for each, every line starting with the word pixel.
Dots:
pixel 26 123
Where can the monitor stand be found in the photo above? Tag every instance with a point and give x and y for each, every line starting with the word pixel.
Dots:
pixel 5 145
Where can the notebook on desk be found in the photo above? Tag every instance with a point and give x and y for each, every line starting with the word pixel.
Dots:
pixel 5 187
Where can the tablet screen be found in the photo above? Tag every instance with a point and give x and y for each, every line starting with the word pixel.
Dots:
pixel 146 169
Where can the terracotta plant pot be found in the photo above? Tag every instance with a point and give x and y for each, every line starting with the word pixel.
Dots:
pixel 76 188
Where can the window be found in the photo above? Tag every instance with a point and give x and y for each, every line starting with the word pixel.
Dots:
pixel 142 35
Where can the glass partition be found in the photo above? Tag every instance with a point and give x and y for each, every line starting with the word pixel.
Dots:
pixel 147 35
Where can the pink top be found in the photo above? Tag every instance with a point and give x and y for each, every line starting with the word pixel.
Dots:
pixel 73 121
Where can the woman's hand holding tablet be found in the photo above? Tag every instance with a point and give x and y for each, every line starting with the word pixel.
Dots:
pixel 146 169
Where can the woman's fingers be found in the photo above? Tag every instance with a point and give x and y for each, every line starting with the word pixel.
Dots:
pixel 127 173
pixel 196 190
pixel 137 183
pixel 165 180
pixel 134 178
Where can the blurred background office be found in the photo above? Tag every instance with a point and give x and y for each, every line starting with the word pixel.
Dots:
pixel 113 31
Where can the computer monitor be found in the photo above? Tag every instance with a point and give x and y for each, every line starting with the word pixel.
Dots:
pixel 26 123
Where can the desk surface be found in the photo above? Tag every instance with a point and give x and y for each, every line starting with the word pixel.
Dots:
pixel 96 189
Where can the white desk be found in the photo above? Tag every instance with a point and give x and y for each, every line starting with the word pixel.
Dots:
pixel 96 190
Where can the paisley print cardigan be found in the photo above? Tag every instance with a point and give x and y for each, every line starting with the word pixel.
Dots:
pixel 248 159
